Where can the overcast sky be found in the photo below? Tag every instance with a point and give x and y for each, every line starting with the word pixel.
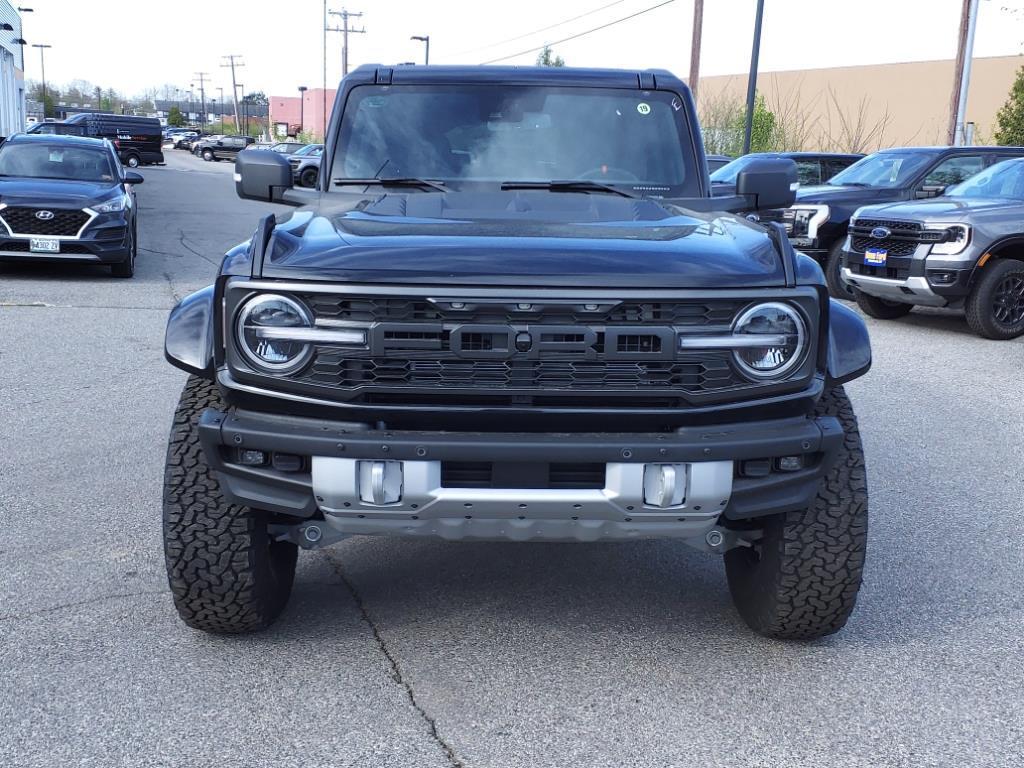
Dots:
pixel 136 45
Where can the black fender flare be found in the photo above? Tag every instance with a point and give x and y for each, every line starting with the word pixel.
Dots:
pixel 189 338
pixel 849 345
pixel 1017 240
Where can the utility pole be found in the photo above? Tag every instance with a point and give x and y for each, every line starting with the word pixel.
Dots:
pixel 962 72
pixel 752 78
pixel 426 40
pixel 302 108
pixel 234 87
pixel 202 96
pixel 42 65
pixel 345 30
pixel 698 27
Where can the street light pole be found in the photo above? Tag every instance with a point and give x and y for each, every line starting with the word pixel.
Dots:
pixel 425 39
pixel 302 108
pixel 752 78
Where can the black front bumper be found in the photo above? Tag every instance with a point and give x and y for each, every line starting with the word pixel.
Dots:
pixel 105 241
pixel 223 434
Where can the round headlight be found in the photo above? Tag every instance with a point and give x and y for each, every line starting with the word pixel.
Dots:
pixel 266 331
pixel 777 340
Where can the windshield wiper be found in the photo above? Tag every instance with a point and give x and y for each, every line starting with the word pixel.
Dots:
pixel 396 182
pixel 568 185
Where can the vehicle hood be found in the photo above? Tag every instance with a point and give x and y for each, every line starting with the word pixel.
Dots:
pixel 950 209
pixel 523 238
pixel 58 193
pixel 826 193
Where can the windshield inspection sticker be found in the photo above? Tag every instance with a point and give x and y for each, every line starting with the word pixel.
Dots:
pixel 643 108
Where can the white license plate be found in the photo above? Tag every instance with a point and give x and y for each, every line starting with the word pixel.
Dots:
pixel 44 245
pixel 876 257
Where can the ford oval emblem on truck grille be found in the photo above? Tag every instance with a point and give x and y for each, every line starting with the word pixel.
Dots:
pixel 44 215
pixel 880 233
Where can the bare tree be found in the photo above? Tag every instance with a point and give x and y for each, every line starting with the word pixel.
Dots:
pixel 852 130
pixel 720 114
pixel 796 120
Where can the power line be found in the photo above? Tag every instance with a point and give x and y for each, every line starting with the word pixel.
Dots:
pixel 542 29
pixel 581 34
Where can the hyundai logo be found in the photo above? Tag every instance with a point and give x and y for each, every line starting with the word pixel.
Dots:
pixel 44 215
pixel 880 233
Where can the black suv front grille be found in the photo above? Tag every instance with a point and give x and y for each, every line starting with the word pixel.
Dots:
pixel 893 247
pixel 24 221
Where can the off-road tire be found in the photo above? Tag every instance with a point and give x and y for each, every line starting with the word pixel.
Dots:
pixel 308 177
pixel 981 304
pixel 226 575
pixel 872 306
pixel 837 289
pixel 800 581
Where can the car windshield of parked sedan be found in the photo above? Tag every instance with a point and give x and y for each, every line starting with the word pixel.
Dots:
pixel 1002 180
pixel 309 149
pixel 490 134
pixel 882 169
pixel 56 161
pixel 727 173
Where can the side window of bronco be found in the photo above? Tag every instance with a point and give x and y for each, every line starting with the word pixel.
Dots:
pixel 953 170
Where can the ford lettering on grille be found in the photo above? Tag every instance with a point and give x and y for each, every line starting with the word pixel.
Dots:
pixel 528 342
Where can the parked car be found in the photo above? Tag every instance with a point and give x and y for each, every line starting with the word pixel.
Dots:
pixel 67 198
pixel 138 140
pixel 223 147
pixel 963 249
pixel 811 168
pixel 818 221
pixel 191 144
pixel 287 147
pixel 305 164
pixel 717 161
pixel 516 343
pixel 261 145
pixel 182 139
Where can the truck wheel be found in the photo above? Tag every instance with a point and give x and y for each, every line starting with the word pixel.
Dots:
pixel 226 574
pixel 207 155
pixel 880 308
pixel 800 580
pixel 995 306
pixel 308 177
pixel 132 161
pixel 837 289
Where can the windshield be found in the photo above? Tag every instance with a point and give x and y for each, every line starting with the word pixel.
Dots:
pixel 882 169
pixel 309 149
pixel 489 134
pixel 56 161
pixel 1005 179
pixel 727 173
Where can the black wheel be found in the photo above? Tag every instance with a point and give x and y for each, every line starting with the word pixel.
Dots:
pixel 126 268
pixel 207 155
pixel 995 306
pixel 308 177
pixel 800 581
pixel 880 308
pixel 226 574
pixel 837 289
pixel 132 161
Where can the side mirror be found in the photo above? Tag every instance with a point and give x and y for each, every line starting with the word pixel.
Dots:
pixel 131 177
pixel 929 190
pixel 768 182
pixel 263 176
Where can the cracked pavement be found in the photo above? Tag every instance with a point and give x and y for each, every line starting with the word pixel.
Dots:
pixel 478 655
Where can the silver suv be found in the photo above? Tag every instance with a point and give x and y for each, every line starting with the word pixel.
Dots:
pixel 964 249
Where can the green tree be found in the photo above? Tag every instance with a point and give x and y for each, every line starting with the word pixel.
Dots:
pixel 547 58
pixel 1010 118
pixel 175 118
pixel 764 131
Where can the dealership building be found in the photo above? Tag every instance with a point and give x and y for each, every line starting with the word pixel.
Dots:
pixel 12 71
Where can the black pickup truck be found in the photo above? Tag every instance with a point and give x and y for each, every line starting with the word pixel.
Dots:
pixel 511 310
pixel 819 220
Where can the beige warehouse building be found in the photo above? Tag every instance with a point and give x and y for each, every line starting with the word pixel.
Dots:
pixel 867 107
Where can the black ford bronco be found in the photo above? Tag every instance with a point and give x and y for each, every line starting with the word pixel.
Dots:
pixel 511 310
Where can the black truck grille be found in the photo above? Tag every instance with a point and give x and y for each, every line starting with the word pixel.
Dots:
pixel 24 221
pixel 335 368
pixel 893 247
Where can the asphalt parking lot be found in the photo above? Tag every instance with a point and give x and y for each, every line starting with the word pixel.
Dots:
pixel 422 653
